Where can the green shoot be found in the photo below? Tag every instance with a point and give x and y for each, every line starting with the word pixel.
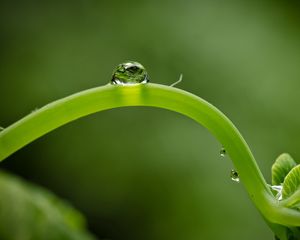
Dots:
pixel 282 216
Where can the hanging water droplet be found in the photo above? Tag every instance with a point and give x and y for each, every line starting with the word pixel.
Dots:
pixel 223 152
pixel 1 129
pixel 129 73
pixel 234 176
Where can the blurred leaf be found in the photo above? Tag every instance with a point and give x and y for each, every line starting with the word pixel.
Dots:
pixel 30 212
pixel 282 166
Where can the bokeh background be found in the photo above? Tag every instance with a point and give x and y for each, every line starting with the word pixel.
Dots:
pixel 143 173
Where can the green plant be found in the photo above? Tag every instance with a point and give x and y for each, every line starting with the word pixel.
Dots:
pixel 279 204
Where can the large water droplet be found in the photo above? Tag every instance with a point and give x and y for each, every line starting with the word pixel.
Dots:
pixel 234 176
pixel 223 152
pixel 129 73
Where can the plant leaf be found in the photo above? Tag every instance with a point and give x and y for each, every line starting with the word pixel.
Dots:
pixel 29 212
pixel 291 182
pixel 282 166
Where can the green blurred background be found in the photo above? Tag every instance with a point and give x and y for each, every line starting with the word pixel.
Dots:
pixel 143 173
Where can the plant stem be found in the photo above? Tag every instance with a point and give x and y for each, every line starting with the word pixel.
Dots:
pixel 90 101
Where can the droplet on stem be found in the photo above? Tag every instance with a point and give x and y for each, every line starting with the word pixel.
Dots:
pixel 223 152
pixel 234 176
pixel 129 73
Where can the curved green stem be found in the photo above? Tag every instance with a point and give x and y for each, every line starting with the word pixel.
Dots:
pixel 90 101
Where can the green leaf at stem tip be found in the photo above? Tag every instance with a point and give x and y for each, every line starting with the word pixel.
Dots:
pixel 282 166
pixel 29 212
pixel 291 182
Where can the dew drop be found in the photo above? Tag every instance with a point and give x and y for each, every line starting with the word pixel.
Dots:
pixel 129 73
pixel 1 129
pixel 223 152
pixel 234 176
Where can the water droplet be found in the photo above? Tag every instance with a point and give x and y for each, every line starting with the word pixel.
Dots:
pixel 1 129
pixel 223 152
pixel 129 73
pixel 234 176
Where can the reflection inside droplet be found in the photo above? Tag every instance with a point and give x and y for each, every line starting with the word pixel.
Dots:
pixel 129 73
pixel 223 152
pixel 234 176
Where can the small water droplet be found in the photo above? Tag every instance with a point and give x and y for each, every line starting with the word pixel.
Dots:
pixel 1 129
pixel 223 152
pixel 129 73
pixel 234 176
